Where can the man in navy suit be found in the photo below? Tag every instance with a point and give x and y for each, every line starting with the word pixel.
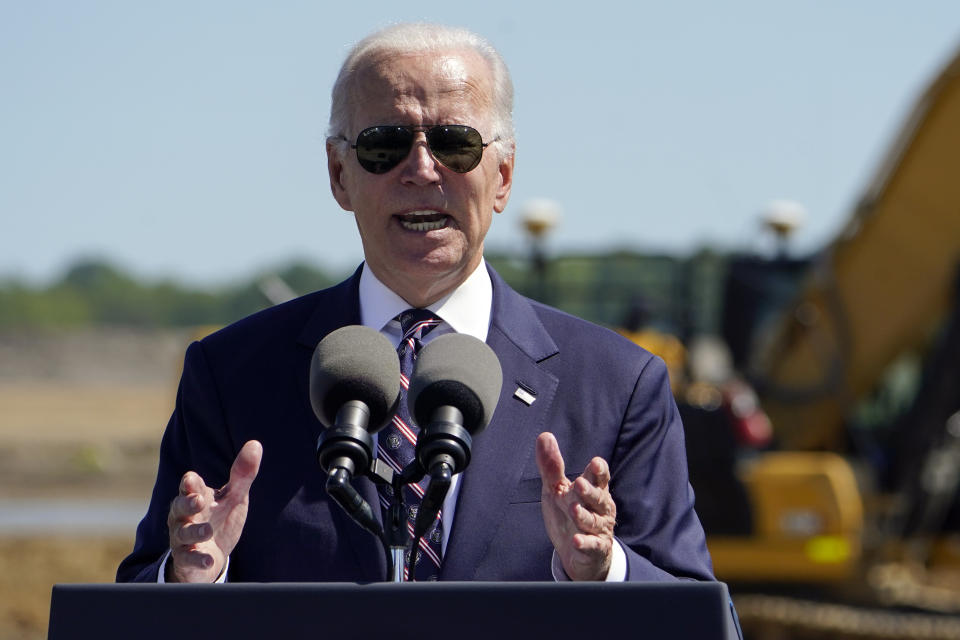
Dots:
pixel 421 150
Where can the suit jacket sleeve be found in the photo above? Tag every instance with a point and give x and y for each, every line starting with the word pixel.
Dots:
pixel 656 521
pixel 196 438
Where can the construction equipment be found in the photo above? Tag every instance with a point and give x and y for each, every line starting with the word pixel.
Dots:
pixel 841 507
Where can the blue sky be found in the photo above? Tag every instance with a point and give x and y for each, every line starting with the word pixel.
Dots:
pixel 185 139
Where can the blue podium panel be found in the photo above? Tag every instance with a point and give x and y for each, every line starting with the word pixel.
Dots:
pixel 457 610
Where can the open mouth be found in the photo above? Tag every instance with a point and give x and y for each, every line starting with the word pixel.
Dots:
pixel 423 220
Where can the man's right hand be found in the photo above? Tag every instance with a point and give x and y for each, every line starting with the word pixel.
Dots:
pixel 205 524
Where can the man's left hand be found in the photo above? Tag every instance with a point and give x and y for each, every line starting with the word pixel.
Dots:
pixel 579 515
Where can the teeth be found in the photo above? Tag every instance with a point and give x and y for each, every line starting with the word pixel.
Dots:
pixel 431 221
pixel 423 226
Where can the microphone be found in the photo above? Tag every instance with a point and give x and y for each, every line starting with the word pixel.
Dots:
pixel 453 393
pixel 354 391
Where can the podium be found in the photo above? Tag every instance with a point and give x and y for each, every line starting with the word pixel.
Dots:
pixel 461 610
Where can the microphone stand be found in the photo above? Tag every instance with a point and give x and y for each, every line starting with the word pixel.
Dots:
pixel 395 537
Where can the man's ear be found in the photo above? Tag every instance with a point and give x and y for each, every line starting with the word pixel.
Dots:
pixel 506 183
pixel 336 170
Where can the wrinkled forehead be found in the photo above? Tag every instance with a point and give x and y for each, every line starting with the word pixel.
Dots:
pixel 422 87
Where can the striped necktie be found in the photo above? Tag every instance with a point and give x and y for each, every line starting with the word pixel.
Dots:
pixel 397 444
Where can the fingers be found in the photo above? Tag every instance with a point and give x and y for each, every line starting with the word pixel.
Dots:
pixel 586 520
pixel 593 521
pixel 597 473
pixel 186 532
pixel 184 510
pixel 550 463
pixel 194 496
pixel 589 503
pixel 597 547
pixel 593 497
pixel 191 482
pixel 193 559
pixel 191 533
pixel 246 467
pixel 594 517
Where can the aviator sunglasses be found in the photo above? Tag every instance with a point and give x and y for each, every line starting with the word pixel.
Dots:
pixel 456 146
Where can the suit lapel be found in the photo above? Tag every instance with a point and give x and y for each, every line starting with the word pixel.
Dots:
pixel 503 450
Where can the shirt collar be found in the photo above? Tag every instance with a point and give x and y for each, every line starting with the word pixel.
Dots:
pixel 466 309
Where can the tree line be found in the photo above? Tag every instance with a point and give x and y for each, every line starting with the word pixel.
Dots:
pixel 98 292
pixel 677 292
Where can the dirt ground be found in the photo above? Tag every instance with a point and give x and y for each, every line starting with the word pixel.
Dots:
pixel 81 415
pixel 30 566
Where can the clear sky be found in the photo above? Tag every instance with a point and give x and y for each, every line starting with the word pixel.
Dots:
pixel 186 139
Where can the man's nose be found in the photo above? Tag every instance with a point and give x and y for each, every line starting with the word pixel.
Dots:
pixel 420 167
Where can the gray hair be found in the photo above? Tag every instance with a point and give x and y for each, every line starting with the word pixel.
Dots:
pixel 425 38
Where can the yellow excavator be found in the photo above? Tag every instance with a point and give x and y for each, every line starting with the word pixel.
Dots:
pixel 839 506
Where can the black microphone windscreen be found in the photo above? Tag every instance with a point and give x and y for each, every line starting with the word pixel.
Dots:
pixel 355 363
pixel 460 371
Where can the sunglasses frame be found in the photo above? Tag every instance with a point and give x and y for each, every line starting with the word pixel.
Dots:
pixel 413 129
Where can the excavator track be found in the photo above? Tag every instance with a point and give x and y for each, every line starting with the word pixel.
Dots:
pixel 765 617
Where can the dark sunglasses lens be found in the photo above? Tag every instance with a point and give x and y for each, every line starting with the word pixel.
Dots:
pixel 380 149
pixel 459 148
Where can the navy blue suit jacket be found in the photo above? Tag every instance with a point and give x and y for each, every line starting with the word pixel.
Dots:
pixel 599 393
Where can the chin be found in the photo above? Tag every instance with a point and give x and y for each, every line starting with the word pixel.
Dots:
pixel 438 260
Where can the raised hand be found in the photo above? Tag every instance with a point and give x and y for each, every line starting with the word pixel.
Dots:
pixel 579 515
pixel 205 524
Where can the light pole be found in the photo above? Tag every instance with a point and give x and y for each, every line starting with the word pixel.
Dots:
pixel 538 217
pixel 783 218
